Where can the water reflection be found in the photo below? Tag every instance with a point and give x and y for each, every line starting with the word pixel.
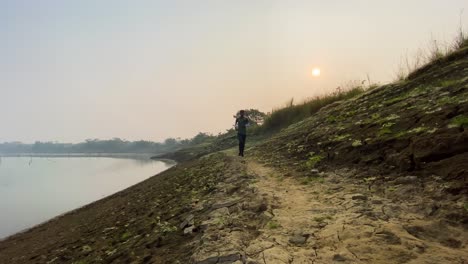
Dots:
pixel 35 189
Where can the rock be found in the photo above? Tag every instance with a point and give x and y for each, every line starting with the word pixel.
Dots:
pixel 406 180
pixel 361 197
pixel 298 238
pixel 220 212
pixel 338 257
pixel 187 222
pixel 230 189
pixel 256 205
pixel 224 204
pixel 389 237
pixel 231 258
pixel 212 260
pixel 147 258
pixel 189 230
pixel 450 242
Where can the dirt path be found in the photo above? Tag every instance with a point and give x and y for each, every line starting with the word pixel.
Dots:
pixel 332 220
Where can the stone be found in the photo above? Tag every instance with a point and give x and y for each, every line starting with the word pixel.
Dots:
pixel 338 257
pixel 361 197
pixel 220 212
pixel 298 240
pixel 224 204
pixel 406 180
pixel 189 230
pixel 187 222
pixel 389 237
pixel 231 258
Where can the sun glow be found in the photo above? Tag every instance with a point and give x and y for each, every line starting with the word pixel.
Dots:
pixel 316 72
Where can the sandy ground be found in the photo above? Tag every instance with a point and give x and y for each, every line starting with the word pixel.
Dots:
pixel 331 220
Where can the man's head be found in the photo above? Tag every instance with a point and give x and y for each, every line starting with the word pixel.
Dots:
pixel 241 112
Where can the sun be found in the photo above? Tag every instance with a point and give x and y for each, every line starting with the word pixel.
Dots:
pixel 316 72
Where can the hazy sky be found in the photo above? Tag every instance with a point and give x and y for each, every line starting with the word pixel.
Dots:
pixel 72 70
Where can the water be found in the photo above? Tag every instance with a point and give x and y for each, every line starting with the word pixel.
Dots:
pixel 33 190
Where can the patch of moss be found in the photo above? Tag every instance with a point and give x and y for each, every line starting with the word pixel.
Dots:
pixel 334 119
pixel 375 116
pixel 459 121
pixel 356 143
pixel 338 138
pixel 396 99
pixel 125 235
pixel 384 131
pixel 418 130
pixel 390 118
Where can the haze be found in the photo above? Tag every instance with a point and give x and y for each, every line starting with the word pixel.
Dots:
pixel 72 70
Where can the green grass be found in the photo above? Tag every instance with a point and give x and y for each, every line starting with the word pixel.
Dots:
pixel 436 51
pixel 459 121
pixel 313 160
pixel 292 113
pixel 448 83
pixel 273 225
pixel 125 235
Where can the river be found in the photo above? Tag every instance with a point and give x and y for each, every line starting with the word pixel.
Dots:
pixel 36 189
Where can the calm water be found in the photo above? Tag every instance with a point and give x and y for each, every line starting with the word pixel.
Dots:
pixel 33 190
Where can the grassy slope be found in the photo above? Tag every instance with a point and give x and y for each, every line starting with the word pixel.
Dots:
pixel 417 126
pixel 409 125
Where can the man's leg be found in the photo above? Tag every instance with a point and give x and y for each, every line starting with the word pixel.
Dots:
pixel 239 137
pixel 244 137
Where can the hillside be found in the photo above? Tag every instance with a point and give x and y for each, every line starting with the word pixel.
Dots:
pixel 379 178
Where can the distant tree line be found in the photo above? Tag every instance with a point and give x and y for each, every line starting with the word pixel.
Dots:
pixel 115 145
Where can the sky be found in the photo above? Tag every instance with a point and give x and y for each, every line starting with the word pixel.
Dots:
pixel 75 70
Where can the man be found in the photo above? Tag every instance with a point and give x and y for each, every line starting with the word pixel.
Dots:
pixel 241 127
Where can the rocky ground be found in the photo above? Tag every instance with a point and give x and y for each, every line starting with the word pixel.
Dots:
pixel 332 218
pixel 225 209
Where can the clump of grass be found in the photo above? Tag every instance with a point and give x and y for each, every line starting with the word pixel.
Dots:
pixel 321 219
pixel 273 225
pixel 447 83
pixel 292 113
pixel 313 160
pixel 435 51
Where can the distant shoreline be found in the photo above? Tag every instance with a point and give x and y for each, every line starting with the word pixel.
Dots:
pixel 92 155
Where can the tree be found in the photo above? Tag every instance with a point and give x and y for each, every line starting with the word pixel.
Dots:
pixel 257 117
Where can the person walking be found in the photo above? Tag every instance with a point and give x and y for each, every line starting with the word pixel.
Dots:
pixel 241 126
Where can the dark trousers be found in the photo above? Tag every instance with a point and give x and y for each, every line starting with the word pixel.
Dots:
pixel 241 139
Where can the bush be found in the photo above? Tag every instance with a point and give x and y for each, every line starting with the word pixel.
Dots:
pixel 291 113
